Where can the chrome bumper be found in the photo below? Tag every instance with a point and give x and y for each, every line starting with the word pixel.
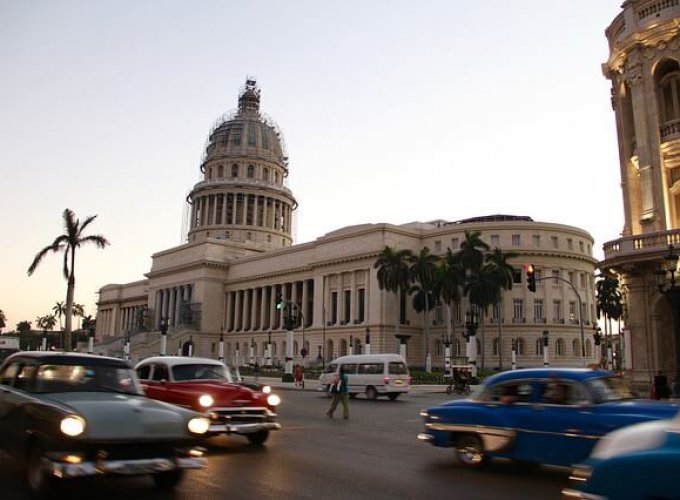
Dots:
pixel 249 428
pixel 122 467
pixel 571 493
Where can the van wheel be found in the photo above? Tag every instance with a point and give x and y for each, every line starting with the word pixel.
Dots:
pixel 393 396
pixel 352 395
pixel 371 393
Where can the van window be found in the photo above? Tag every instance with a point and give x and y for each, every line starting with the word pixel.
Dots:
pixel 350 368
pixel 331 368
pixel 371 368
pixel 398 368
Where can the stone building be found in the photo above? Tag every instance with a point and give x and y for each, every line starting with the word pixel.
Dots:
pixel 644 70
pixel 220 288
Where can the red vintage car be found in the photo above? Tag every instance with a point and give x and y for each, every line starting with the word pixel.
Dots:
pixel 206 385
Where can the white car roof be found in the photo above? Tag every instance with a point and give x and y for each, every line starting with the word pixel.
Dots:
pixel 179 360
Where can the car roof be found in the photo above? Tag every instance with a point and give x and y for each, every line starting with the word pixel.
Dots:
pixel 179 360
pixel 68 358
pixel 542 373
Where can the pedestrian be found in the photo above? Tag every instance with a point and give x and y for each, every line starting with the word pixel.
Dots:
pixel 661 388
pixel 298 376
pixel 340 393
pixel 257 370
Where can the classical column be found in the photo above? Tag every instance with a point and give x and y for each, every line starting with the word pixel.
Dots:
pixel 237 311
pixel 246 308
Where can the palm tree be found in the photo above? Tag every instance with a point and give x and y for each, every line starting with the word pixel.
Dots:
pixel 68 243
pixel 422 270
pixel 609 304
pixel 502 276
pixel 46 322
pixel 448 287
pixel 24 330
pixel 59 310
pixel 3 320
pixel 393 275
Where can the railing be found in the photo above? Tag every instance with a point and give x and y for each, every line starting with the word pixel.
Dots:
pixel 669 130
pixel 642 243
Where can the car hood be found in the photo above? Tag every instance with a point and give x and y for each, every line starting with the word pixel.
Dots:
pixel 112 416
pixel 224 393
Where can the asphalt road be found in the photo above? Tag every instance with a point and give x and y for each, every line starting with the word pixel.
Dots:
pixel 373 455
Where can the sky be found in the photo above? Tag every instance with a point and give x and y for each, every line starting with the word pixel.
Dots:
pixel 392 111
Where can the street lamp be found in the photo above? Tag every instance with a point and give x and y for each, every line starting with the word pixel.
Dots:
pixel 471 324
pixel 367 344
pixel 597 339
pixel 164 336
pixel 351 345
pixel 447 353
pixel 220 350
pixel 268 361
pixel 514 354
pixel 90 337
pixel 671 290
pixel 546 362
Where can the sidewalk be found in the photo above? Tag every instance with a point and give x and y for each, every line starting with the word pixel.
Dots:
pixel 313 385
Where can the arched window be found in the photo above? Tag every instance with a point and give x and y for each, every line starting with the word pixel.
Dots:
pixel 589 349
pixel 520 345
pixel 456 348
pixel 343 347
pixel 576 347
pixel 539 346
pixel 234 170
pixel 329 350
pixel 220 171
pixel 560 347
pixel 439 347
pixel 295 348
pixel 251 171
pixel 667 76
pixel 496 344
pixel 265 173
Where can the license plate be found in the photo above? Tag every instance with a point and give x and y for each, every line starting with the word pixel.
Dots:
pixel 398 382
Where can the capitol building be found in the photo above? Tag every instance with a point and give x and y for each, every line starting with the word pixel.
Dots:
pixel 215 295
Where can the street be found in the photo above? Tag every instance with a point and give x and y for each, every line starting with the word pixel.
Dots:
pixel 374 454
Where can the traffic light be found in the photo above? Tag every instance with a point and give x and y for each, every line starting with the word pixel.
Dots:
pixel 531 277
pixel 279 302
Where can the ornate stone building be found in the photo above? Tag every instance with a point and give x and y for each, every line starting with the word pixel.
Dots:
pixel 220 287
pixel 644 70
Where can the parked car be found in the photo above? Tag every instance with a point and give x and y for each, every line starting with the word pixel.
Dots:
pixel 542 415
pixel 640 461
pixel 370 374
pixel 69 415
pixel 206 385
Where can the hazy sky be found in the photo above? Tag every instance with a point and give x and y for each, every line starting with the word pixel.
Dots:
pixel 392 111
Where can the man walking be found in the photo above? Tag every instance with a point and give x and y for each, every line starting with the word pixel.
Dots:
pixel 340 392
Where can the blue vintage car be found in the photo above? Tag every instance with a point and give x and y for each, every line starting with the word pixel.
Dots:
pixel 637 462
pixel 540 415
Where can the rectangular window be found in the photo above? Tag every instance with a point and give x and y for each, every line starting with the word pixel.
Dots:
pixel 334 308
pixel 557 311
pixel 347 306
pixel 573 314
pixel 495 241
pixel 438 246
pixel 537 240
pixel 555 242
pixel 538 309
pixel 570 244
pixel 556 276
pixel 371 368
pixel 495 313
pixel 583 280
pixel 517 309
pixel 570 277
pixel 362 305
pixel 455 245
pixel 516 275
pixel 515 240
pixel 251 134
pixel 580 246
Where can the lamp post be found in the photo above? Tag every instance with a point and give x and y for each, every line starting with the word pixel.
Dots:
pixel 671 290
pixel 546 361
pixel 367 344
pixel 351 345
pixel 447 353
pixel 126 347
pixel 597 339
pixel 164 336
pixel 90 336
pixel 220 349
pixel 251 360
pixel 514 354
pixel 471 324
pixel 268 360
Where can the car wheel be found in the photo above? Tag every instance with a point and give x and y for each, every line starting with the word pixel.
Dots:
pixel 40 482
pixel 393 396
pixel 352 395
pixel 470 451
pixel 169 479
pixel 371 393
pixel 258 438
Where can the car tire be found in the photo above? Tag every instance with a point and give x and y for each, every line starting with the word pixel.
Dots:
pixel 371 393
pixel 470 451
pixel 258 438
pixel 169 479
pixel 352 395
pixel 393 396
pixel 40 482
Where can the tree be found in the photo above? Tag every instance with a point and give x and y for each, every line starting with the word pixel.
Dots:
pixel 501 278
pixel 59 310
pixel 393 276
pixel 448 286
pixel 3 320
pixel 24 330
pixel 69 242
pixel 46 322
pixel 422 270
pixel 608 303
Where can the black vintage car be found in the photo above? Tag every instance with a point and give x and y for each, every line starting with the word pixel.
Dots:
pixel 67 415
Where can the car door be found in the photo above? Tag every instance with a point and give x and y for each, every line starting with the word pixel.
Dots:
pixel 554 424
pixel 155 384
pixel 15 384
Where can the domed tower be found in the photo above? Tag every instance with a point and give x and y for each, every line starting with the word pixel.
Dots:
pixel 243 197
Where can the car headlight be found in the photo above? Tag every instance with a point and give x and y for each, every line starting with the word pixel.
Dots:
pixel 266 389
pixel 206 401
pixel 273 400
pixel 72 425
pixel 198 425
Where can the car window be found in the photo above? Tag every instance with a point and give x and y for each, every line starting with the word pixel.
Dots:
pixel 371 368
pixel 160 372
pixel 8 374
pixel 350 368
pixel 143 372
pixel 511 392
pixel 561 392
pixel 397 368
pixel 24 377
pixel 609 389
pixel 84 378
pixel 199 372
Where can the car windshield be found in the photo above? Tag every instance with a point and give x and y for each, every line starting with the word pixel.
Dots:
pixel 609 389
pixel 201 372
pixel 83 378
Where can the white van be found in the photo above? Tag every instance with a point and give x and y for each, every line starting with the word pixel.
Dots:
pixel 372 374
